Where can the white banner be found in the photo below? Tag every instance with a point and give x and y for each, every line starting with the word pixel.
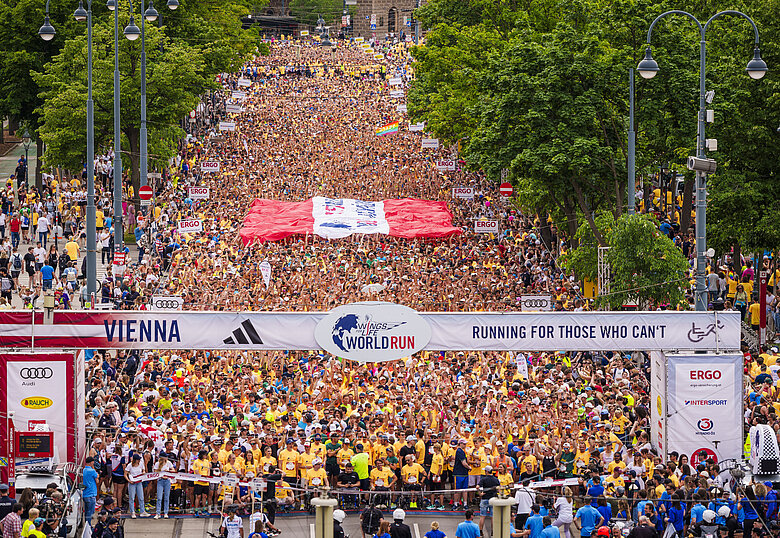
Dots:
pixel 340 217
pixel 227 126
pixel 265 270
pixel 258 484
pixel 658 402
pixel 704 402
pixel 504 331
pixel 417 127
pixel 447 164
pixel 432 143
pixel 244 82
pixel 466 193
pixel 536 303
pixel 163 302
pixel 190 226
pixel 395 81
pixel 486 226
pixel 234 109
pixel 199 193
pixel 397 94
pixel 401 108
pixel 238 94
pixel 209 166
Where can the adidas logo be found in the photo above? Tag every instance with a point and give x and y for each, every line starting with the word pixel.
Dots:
pixel 249 334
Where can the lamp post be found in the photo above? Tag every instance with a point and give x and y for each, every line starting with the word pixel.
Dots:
pixel 26 142
pixel 631 146
pixel 648 68
pixel 132 33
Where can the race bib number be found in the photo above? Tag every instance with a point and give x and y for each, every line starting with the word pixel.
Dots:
pixel 344 463
pixel 266 467
pixel 380 482
pixel 412 479
pixel 430 450
pixel 316 481
pixel 290 466
pixel 436 478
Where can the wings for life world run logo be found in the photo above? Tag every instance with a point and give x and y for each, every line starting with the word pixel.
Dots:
pixel 370 332
pixel 352 332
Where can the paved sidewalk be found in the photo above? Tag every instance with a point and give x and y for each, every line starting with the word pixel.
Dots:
pixel 8 162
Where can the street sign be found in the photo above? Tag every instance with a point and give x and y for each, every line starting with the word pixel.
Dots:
pixel 154 175
pixel 505 189
pixel 145 192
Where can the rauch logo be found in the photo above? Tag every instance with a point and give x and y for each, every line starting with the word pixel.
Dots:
pixel 37 402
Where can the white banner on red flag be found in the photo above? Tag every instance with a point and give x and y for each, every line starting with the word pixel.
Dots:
pixel 333 218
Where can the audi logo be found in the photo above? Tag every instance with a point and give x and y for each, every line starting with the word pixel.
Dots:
pixel 168 303
pixel 536 303
pixel 36 373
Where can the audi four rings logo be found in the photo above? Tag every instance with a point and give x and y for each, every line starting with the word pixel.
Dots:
pixel 163 303
pixel 36 373
pixel 537 303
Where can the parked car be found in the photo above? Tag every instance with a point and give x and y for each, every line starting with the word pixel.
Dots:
pixel 38 481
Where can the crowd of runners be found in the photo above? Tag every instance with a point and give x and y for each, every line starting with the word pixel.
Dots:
pixel 437 431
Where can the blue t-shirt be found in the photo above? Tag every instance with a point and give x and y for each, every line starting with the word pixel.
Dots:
pixel 434 534
pixel 535 524
pixel 676 518
pixel 551 532
pixel 606 513
pixel 47 272
pixel 594 492
pixel 467 529
pixel 89 480
pixel 696 513
pixel 588 517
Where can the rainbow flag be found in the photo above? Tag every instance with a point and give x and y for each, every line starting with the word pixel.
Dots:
pixel 387 129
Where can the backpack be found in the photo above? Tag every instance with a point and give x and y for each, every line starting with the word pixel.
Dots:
pixel 17 262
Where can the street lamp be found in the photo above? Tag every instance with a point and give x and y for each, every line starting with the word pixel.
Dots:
pixel 648 68
pixel 26 141
pixel 132 33
pixel 149 14
pixel 47 30
pixel 81 15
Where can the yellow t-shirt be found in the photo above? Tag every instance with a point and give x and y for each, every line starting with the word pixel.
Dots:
pixel 73 250
pixel 437 464
pixel 412 473
pixel 381 479
pixel 203 468
pixel 317 477
pixel 755 313
pixel 287 461
pixel 99 219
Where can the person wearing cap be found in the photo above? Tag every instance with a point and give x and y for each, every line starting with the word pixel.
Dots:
pixel 136 486
pixel 89 479
pixel 317 477
pixel 110 531
pixel 6 502
pixel 333 464
pixel 488 488
pixel 460 470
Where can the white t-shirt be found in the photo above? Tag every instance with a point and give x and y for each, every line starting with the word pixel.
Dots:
pixel 233 526
pixel 564 509
pixel 525 499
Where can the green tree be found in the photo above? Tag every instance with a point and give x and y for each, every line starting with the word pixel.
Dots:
pixel 309 11
pixel 176 74
pixel 645 265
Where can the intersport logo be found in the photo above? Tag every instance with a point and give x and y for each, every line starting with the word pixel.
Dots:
pixel 705 402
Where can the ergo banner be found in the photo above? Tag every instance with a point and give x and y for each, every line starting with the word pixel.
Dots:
pixel 466 193
pixel 199 193
pixel 486 226
pixel 190 225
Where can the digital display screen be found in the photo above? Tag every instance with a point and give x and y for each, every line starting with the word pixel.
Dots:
pixel 35 444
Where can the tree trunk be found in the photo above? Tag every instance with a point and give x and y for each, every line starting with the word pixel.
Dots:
pixel 571 221
pixel 736 259
pixel 586 212
pixel 545 232
pixel 687 204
